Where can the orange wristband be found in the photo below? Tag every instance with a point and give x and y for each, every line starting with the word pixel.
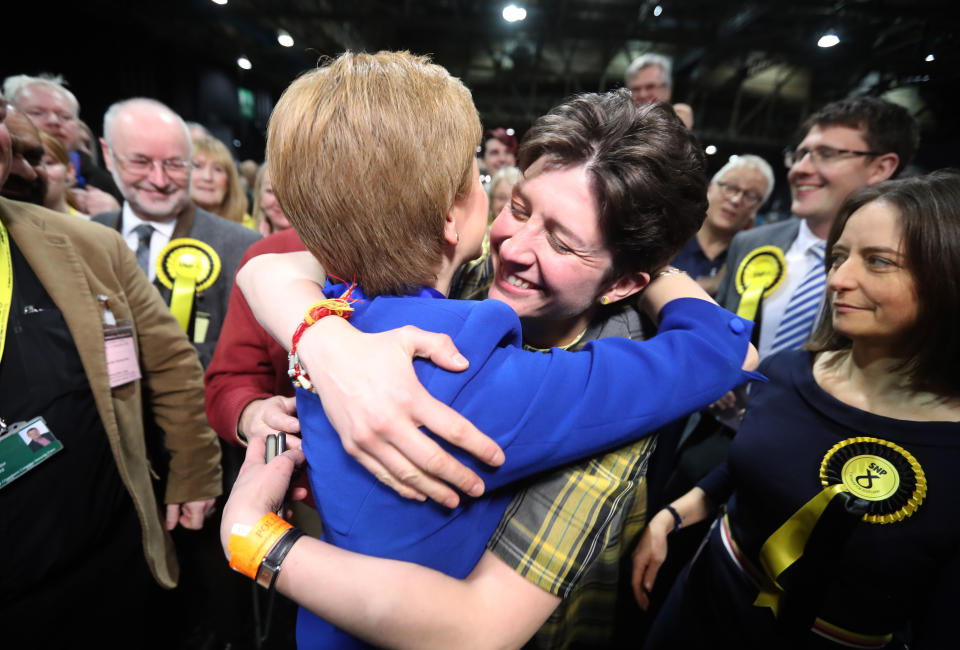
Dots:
pixel 248 548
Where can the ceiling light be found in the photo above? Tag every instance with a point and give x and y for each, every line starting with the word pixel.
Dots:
pixel 513 13
pixel 284 38
pixel 244 63
pixel 510 131
pixel 657 10
pixel 219 2
pixel 710 150
pixel 828 40
pixel 930 58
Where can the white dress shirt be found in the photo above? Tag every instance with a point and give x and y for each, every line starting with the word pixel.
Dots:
pixel 162 233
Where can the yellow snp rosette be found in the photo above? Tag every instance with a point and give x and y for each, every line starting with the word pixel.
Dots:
pixel 186 266
pixel 759 275
pixel 886 478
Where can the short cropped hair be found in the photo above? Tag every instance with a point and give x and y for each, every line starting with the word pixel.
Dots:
pixel 887 127
pixel 749 161
pixel 234 203
pixel 929 209
pixel 647 172
pixel 343 144
pixel 647 60
pixel 13 86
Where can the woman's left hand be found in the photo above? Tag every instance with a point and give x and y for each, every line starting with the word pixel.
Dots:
pixel 261 487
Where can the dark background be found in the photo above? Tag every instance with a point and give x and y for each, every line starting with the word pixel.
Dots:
pixel 751 70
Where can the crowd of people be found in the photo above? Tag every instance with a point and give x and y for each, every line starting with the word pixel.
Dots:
pixel 590 458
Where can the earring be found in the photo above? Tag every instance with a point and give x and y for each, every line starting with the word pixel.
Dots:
pixel 604 300
pixel 458 238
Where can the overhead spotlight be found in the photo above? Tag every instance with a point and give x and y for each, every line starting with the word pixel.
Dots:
pixel 244 63
pixel 930 58
pixel 284 38
pixel 510 131
pixel 732 157
pixel 657 10
pixel 219 2
pixel 512 13
pixel 828 40
pixel 710 150
pixel 236 143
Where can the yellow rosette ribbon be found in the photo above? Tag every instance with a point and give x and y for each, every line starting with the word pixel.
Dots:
pixel 886 477
pixel 759 275
pixel 187 266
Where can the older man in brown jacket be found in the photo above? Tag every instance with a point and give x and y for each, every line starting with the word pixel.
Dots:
pixel 89 352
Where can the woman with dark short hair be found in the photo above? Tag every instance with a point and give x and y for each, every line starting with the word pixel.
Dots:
pixel 842 523
pixel 403 242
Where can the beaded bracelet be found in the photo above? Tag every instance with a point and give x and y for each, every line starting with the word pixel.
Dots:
pixel 327 307
pixel 677 519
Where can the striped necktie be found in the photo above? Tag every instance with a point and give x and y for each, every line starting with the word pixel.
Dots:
pixel 144 233
pixel 801 312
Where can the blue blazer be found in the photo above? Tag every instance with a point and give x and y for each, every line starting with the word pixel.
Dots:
pixel 544 409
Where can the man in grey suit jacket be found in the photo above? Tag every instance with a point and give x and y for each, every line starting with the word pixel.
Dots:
pixel 147 149
pixel 849 144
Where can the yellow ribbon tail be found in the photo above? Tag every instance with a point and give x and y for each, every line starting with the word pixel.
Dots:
pixel 750 302
pixel 181 301
pixel 786 545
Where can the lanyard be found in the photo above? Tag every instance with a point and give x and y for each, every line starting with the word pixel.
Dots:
pixel 6 284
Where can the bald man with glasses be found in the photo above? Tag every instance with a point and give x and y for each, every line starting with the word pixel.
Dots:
pixel 148 150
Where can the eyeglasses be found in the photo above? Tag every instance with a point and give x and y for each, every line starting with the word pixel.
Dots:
pixel 141 166
pixel 648 88
pixel 41 114
pixel 821 155
pixel 750 198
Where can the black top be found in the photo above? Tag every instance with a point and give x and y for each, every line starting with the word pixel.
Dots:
pixel 890 573
pixel 69 510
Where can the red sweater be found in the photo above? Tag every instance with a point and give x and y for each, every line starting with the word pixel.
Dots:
pixel 247 364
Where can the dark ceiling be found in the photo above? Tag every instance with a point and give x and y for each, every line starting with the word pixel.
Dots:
pixel 751 70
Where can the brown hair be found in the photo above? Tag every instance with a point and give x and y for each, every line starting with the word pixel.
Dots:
pixel 234 203
pixel 929 210
pixel 59 153
pixel 887 127
pixel 647 172
pixel 343 143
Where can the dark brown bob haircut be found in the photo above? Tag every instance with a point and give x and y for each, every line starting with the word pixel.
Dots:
pixel 929 209
pixel 887 127
pixel 647 172
pixel 367 154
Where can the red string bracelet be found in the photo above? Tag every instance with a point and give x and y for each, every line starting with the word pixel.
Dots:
pixel 341 306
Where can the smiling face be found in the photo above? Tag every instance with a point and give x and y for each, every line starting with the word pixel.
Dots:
pixel 550 259
pixel 872 291
pixel 496 155
pixel 148 133
pixel 819 190
pixel 731 211
pixel 208 185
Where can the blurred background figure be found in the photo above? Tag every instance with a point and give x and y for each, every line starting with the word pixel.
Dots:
pixel 650 79
pixel 61 176
pixel 53 108
pixel 215 183
pixel 499 150
pixel 267 213
pixel 198 131
pixel 735 194
pixel 501 187
pixel 27 180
